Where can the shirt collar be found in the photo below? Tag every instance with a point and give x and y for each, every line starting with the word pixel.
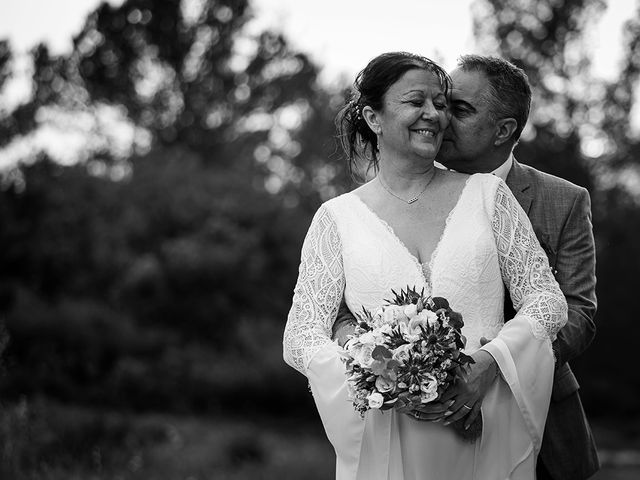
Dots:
pixel 503 170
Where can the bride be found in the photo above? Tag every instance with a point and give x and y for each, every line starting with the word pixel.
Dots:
pixel 457 236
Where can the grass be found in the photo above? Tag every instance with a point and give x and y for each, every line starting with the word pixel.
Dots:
pixel 44 441
pixel 619 449
pixel 41 440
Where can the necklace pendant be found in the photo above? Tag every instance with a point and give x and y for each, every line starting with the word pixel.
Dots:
pixel 414 199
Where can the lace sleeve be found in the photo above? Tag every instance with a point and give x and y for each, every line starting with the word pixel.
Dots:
pixel 317 293
pixel 525 269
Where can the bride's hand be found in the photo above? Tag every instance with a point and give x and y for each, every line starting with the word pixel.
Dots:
pixel 467 394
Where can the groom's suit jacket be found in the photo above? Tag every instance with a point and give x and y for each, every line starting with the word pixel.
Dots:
pixel 560 213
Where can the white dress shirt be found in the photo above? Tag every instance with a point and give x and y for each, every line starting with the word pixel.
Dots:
pixel 503 170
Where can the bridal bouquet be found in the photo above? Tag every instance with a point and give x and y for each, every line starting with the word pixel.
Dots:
pixel 405 353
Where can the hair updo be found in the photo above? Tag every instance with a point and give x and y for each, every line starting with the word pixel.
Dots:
pixel 356 138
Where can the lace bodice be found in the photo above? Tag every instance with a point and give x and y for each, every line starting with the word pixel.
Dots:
pixel 487 240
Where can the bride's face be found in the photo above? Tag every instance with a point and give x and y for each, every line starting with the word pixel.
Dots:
pixel 413 118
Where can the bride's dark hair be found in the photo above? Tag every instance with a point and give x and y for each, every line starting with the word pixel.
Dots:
pixel 356 138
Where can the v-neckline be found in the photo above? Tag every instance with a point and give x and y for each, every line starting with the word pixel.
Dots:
pixel 420 266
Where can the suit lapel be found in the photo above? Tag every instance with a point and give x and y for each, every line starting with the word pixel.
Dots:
pixel 520 184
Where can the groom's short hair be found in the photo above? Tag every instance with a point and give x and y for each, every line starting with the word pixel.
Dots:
pixel 510 89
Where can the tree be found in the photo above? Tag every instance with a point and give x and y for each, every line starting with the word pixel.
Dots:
pixel 171 250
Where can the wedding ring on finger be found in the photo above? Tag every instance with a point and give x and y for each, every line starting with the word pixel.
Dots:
pixel 467 406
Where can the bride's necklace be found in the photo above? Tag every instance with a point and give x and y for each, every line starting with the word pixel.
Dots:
pixel 411 200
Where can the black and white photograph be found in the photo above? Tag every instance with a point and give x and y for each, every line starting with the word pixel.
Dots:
pixel 292 240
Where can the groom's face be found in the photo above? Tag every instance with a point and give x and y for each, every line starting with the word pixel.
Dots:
pixel 468 143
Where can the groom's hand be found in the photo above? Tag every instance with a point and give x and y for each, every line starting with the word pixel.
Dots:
pixel 344 324
pixel 429 412
pixel 343 333
pixel 469 393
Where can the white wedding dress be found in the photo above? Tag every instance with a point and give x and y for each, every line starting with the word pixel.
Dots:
pixel 487 242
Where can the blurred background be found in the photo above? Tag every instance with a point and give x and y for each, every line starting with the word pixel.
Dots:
pixel 160 161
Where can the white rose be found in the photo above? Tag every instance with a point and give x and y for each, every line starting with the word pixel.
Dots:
pixel 384 384
pixel 385 329
pixel 363 355
pixel 367 338
pixel 381 338
pixel 429 389
pixel 428 317
pixel 432 318
pixel 401 353
pixel 375 400
pixel 389 315
pixel 428 397
pixel 416 323
pixel 410 310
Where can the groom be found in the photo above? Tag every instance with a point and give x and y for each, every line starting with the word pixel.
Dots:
pixel 489 105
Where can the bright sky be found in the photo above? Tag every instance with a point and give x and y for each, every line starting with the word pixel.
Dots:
pixel 27 22
pixel 341 35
